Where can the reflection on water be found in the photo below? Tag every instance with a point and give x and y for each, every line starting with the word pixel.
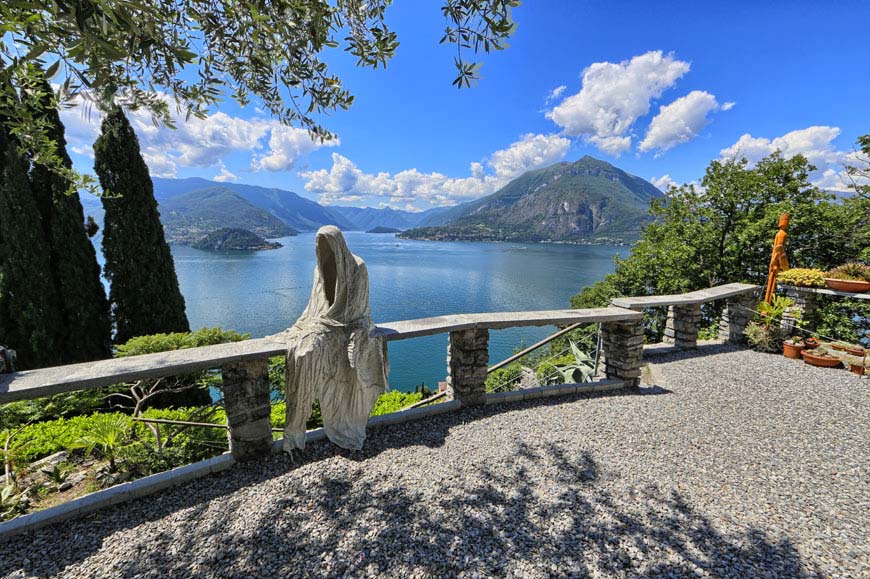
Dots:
pixel 264 292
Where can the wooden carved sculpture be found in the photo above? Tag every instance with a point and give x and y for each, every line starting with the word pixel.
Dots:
pixel 778 259
pixel 331 356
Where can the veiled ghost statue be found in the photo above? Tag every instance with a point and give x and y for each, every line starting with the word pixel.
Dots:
pixel 330 355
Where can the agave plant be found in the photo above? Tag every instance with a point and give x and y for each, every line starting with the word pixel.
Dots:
pixel 581 370
pixel 851 271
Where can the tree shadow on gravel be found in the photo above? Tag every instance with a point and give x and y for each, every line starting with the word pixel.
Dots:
pixel 553 510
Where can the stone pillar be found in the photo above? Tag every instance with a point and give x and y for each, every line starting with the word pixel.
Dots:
pixel 805 301
pixel 622 343
pixel 246 398
pixel 736 316
pixel 467 359
pixel 684 323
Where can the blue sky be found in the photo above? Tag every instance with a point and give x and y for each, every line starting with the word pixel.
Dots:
pixel 658 89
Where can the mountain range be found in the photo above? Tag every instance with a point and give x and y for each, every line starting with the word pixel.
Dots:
pixel 585 201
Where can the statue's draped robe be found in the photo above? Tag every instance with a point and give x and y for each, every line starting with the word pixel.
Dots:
pixel 330 355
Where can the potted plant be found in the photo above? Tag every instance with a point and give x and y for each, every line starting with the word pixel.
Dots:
pixel 855 350
pixel 764 332
pixel 820 357
pixel 793 347
pixel 811 342
pixel 802 277
pixel 857 368
pixel 849 277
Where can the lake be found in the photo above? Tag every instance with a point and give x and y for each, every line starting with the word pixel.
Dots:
pixel 263 292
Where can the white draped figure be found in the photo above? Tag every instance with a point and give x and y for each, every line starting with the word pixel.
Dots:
pixel 330 355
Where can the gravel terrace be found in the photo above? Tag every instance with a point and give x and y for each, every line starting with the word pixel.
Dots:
pixel 734 464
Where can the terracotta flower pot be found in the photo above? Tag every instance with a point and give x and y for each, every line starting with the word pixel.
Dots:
pixel 855 350
pixel 857 369
pixel 838 347
pixel 811 343
pixel 847 285
pixel 792 351
pixel 821 361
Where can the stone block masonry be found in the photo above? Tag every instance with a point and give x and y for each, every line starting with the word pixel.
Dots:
pixel 622 344
pixel 683 325
pixel 467 360
pixel 246 397
pixel 736 316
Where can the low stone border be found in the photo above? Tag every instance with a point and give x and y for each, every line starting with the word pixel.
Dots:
pixel 555 390
pixel 117 494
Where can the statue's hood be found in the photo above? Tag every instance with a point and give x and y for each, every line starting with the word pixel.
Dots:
pixel 340 294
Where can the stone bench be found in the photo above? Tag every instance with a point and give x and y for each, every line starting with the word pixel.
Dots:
pixel 684 312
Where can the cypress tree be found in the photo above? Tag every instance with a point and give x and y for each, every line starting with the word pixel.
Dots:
pixel 85 332
pixel 144 294
pixel 29 315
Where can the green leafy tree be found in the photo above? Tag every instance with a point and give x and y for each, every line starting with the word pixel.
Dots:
pixel 858 205
pixel 29 315
pixel 722 233
pixel 144 294
pixel 85 330
pixel 194 50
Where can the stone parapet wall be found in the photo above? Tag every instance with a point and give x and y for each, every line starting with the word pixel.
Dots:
pixel 467 360
pixel 246 398
pixel 735 317
pixel 622 345
pixel 683 325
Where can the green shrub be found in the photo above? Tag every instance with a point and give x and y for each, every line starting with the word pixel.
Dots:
pixel 765 337
pixel 394 400
pixel 844 319
pixel 504 378
pixel 196 441
pixel 178 341
pixel 44 438
pixel 802 277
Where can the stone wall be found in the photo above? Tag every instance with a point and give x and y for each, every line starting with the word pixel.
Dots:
pixel 467 359
pixel 246 398
pixel 622 345
pixel 736 316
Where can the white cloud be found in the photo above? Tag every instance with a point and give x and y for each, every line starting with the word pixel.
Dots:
pixel 286 146
pixel 614 96
pixel 344 182
pixel 225 176
pixel 728 106
pixel 679 122
pixel 199 142
pixel 556 93
pixel 815 143
pixel 664 182
pixel 530 152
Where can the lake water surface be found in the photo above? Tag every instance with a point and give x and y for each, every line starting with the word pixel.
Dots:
pixel 263 292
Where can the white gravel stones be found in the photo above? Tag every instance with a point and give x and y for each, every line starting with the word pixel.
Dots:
pixel 738 464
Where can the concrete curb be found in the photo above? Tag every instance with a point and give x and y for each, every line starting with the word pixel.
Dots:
pixel 556 390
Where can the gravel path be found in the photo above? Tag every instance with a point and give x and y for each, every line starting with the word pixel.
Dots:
pixel 736 464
